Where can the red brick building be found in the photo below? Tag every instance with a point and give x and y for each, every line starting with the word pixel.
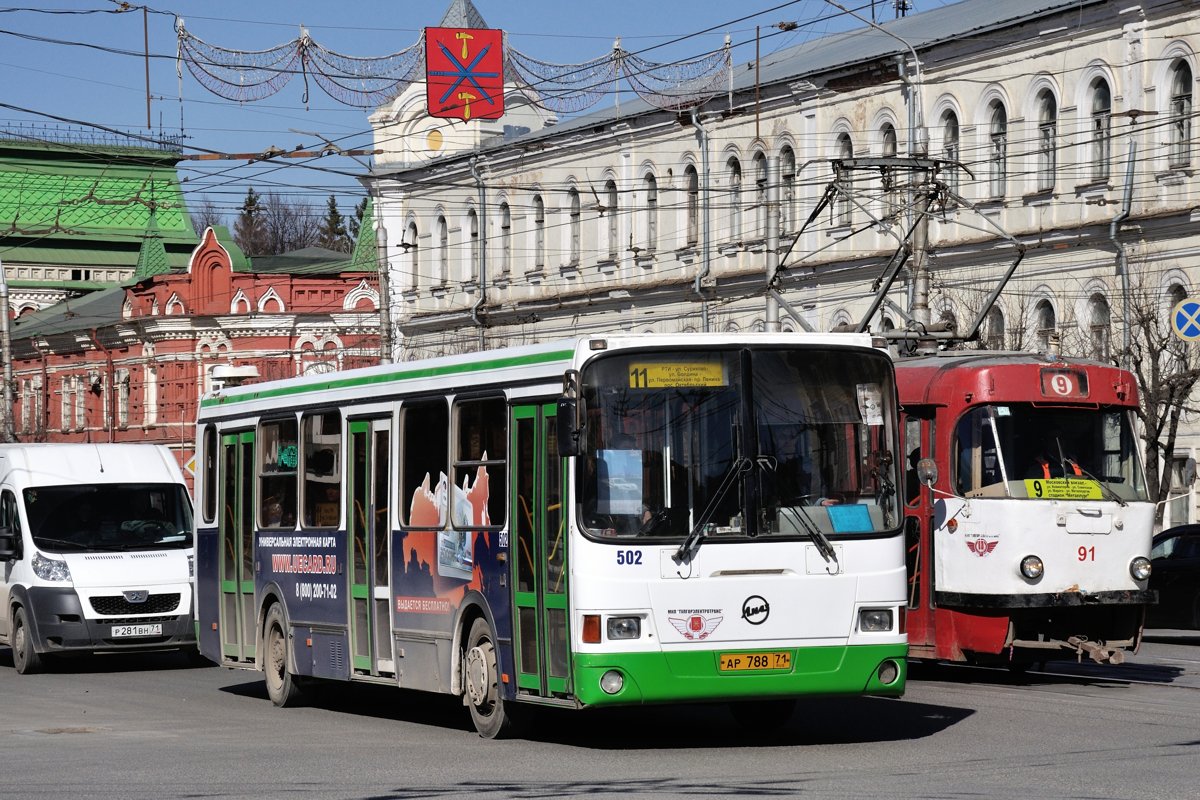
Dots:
pixel 129 363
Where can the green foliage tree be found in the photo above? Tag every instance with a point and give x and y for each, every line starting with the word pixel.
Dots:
pixel 332 234
pixel 249 231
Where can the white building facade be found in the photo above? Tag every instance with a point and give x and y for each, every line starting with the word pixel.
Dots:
pixel 640 219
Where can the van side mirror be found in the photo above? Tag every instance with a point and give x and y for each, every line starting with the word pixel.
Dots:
pixel 569 416
pixel 10 544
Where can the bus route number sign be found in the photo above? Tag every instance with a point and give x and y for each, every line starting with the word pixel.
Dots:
pixel 1064 383
pixel 752 662
pixel 675 374
pixel 1063 489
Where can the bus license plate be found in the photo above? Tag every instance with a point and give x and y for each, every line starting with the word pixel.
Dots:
pixel 749 662
pixel 119 631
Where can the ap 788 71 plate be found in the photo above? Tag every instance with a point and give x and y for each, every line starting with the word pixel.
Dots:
pixel 121 631
pixel 751 662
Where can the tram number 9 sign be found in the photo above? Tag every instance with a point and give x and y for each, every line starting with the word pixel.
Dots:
pixel 1064 383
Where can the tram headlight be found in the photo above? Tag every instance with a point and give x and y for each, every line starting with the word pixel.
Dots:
pixel 624 628
pixel 1032 567
pixel 1139 568
pixel 875 620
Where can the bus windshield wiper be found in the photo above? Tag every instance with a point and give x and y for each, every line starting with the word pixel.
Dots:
pixel 805 522
pixel 687 550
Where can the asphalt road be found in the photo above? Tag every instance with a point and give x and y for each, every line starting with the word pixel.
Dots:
pixel 155 726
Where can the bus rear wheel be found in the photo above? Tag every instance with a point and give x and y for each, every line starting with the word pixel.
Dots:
pixel 492 717
pixel 282 686
pixel 25 656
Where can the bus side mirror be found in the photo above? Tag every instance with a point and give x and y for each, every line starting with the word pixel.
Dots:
pixel 9 544
pixel 569 416
pixel 927 471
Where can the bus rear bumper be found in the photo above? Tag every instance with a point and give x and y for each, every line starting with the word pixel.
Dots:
pixel 661 677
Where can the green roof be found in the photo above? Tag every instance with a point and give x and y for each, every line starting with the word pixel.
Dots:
pixel 152 257
pixel 309 261
pixel 365 257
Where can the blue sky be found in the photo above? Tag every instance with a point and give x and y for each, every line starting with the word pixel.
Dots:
pixel 60 64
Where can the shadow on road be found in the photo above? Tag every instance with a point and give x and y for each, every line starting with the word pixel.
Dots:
pixel 81 663
pixel 1052 672
pixel 826 720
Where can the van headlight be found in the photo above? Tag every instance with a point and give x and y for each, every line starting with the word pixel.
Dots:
pixel 50 569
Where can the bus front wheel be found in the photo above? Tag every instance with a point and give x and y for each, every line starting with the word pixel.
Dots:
pixel 493 718
pixel 282 687
pixel 25 655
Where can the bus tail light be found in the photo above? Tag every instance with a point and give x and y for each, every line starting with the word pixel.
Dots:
pixel 591 628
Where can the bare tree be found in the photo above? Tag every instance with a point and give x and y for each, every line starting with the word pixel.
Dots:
pixel 206 214
pixel 288 225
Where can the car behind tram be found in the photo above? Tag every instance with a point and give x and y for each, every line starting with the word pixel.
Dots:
pixel 1033 522
pixel 601 521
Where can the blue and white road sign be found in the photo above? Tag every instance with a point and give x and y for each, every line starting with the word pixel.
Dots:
pixel 1185 319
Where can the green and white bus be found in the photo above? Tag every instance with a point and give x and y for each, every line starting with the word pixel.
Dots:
pixel 608 520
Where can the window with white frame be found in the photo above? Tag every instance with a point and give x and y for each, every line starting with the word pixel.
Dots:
pixel 692 180
pixel 891 195
pixel 760 195
pixel 1099 322
pixel 409 245
pixel 1045 322
pixel 443 255
pixel 993 329
pixel 575 224
pixel 1101 129
pixel 997 151
pixel 473 250
pixel 843 206
pixel 539 232
pixel 122 398
pixel 1181 114
pixel 787 188
pixel 650 184
pixel 1047 141
pixel 505 239
pixel 733 177
pixel 952 151
pixel 611 201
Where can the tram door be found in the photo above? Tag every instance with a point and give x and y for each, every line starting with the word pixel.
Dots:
pixel 370 620
pixel 538 553
pixel 918 444
pixel 236 531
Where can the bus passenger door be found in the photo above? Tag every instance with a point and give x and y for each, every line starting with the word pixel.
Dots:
pixel 236 530
pixel 538 553
pixel 370 618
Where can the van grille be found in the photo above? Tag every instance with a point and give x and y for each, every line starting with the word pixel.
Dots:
pixel 118 605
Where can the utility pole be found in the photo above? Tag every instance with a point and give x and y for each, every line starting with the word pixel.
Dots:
pixel 6 397
pixel 772 243
pixel 384 268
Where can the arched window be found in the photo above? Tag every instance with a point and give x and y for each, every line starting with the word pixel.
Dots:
pixel 409 244
pixel 760 195
pixel 505 239
pixel 998 151
pixel 443 255
pixel 733 174
pixel 610 210
pixel 787 188
pixel 993 329
pixel 575 223
pixel 1181 114
pixel 692 179
pixel 1043 315
pixel 891 196
pixel 1047 141
pixel 473 252
pixel 651 187
pixel 1101 129
pixel 948 318
pixel 539 232
pixel 1099 327
pixel 842 213
pixel 952 151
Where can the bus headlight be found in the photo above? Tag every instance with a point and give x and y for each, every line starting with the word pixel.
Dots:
pixel 1032 567
pixel 624 628
pixel 612 682
pixel 50 569
pixel 875 620
pixel 1140 568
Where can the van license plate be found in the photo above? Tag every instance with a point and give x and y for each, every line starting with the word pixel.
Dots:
pixel 119 631
pixel 750 662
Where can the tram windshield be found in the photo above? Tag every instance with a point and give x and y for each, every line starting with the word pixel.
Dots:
pixel 117 516
pixel 1025 451
pixel 779 442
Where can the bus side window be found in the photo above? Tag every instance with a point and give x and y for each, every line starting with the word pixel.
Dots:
pixel 480 457
pixel 425 426
pixel 277 453
pixel 322 486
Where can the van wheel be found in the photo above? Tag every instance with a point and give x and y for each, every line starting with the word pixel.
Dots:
pixel 282 686
pixel 493 718
pixel 25 657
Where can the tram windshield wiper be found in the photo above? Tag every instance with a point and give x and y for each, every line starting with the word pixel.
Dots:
pixel 687 550
pixel 1105 489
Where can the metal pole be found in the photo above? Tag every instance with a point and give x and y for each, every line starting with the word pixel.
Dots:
pixel 705 252
pixel 772 242
pixel 1122 261
pixel 385 296
pixel 6 417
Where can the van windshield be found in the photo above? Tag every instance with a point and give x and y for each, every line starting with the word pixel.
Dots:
pixel 119 516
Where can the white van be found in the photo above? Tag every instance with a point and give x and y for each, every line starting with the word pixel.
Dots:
pixel 95 550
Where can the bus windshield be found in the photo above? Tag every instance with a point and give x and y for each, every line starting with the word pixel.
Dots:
pixel 750 442
pixel 1047 453
pixel 118 516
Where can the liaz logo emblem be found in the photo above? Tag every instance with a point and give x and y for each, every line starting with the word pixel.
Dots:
pixel 982 546
pixel 755 610
pixel 139 596
pixel 695 627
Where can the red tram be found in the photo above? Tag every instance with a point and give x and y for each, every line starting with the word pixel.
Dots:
pixel 1031 521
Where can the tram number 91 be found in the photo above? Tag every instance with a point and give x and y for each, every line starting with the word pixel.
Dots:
pixel 1086 553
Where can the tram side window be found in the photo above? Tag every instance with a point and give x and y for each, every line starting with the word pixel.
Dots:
pixel 322 487
pixel 277 452
pixel 424 479
pixel 209 479
pixel 479 491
